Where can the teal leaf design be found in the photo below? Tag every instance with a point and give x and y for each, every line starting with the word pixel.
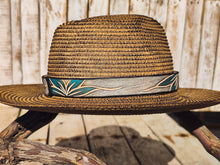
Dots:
pixel 72 88
pixel 170 81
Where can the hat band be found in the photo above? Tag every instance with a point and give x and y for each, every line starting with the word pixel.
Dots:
pixel 103 87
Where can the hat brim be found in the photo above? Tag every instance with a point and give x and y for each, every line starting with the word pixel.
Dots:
pixel 31 97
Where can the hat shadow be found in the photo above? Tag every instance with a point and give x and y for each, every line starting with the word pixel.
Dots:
pixel 110 145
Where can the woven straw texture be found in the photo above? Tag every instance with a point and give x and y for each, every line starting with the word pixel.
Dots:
pixel 31 97
pixel 110 46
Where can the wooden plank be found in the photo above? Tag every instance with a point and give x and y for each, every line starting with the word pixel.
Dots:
pixel 8 114
pixel 98 7
pixel 30 41
pixel 5 44
pixel 16 41
pixel 144 142
pixel 67 130
pixel 186 147
pixel 77 9
pixel 107 141
pixel 139 7
pixel 53 14
pixel 158 11
pixel 208 46
pixel 216 79
pixel 119 7
pixel 191 44
pixel 175 29
pixel 43 37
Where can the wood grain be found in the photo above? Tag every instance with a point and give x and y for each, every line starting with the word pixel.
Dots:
pixel 175 29
pixel 98 7
pixel 187 148
pixel 107 141
pixel 67 130
pixel 216 78
pixel 77 9
pixel 5 44
pixel 158 11
pixel 119 7
pixel 139 7
pixel 16 41
pixel 30 42
pixel 144 143
pixel 208 48
pixel 191 44
pixel 37 152
pixel 54 14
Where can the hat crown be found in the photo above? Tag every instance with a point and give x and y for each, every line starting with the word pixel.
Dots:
pixel 110 46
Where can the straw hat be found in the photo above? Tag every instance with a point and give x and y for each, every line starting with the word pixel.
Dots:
pixel 109 65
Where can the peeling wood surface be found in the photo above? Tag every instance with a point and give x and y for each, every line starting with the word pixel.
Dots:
pixel 158 10
pixel 175 29
pixel 30 41
pixel 97 7
pixel 119 7
pixel 16 41
pixel 209 44
pixel 77 9
pixel 139 7
pixel 191 43
pixel 5 43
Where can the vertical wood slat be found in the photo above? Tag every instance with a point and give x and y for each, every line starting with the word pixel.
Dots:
pixel 175 29
pixel 30 41
pixel 139 7
pixel 7 113
pixel 191 44
pixel 16 41
pixel 119 7
pixel 98 7
pixel 216 78
pixel 158 11
pixel 208 48
pixel 43 37
pixel 77 9
pixel 55 14
pixel 5 44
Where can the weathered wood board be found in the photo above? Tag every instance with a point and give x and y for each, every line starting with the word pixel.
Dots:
pixel 107 141
pixel 67 130
pixel 187 148
pixel 147 147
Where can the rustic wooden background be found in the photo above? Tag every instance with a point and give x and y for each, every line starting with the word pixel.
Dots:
pixel 193 30
pixel 192 27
